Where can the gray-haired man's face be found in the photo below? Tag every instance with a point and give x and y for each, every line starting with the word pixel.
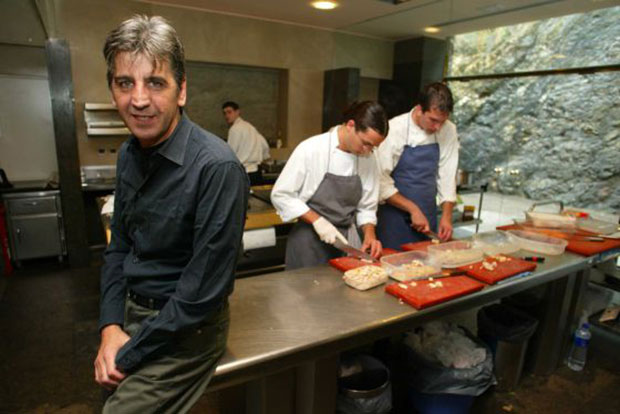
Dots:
pixel 147 97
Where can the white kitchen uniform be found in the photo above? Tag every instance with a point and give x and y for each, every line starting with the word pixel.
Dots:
pixel 248 144
pixel 306 168
pixel 405 132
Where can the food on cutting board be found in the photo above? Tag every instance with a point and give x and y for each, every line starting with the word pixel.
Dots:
pixel 414 269
pixel 365 277
pixel 490 263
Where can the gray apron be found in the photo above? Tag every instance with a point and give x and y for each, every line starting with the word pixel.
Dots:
pixel 335 199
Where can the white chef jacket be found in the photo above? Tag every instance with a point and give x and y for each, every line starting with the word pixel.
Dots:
pixel 248 144
pixel 306 168
pixel 389 152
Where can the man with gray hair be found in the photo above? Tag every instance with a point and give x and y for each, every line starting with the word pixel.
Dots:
pixel 179 212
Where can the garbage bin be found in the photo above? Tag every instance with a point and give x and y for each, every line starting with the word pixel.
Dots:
pixel 507 331
pixel 435 388
pixel 363 386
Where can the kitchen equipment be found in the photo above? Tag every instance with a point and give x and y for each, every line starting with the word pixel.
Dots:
pixel 347 263
pixel 352 251
pixel 498 268
pixel 496 242
pixel 455 253
pixel 98 174
pixel 424 293
pixel 408 265
pixel 540 219
pixel 433 236
pixel 538 243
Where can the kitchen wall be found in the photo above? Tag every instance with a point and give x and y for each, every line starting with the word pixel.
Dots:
pixel 27 147
pixel 208 37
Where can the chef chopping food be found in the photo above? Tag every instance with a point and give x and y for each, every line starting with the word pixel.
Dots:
pixel 331 185
pixel 418 162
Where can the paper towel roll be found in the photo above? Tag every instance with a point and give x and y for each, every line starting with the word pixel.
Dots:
pixel 255 239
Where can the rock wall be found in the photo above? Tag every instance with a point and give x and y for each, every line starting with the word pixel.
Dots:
pixel 545 137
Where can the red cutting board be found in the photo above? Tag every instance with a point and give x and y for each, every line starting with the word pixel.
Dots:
pixel 588 248
pixel 422 295
pixel 416 246
pixel 347 263
pixel 575 242
pixel 512 266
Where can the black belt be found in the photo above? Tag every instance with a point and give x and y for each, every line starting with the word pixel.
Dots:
pixel 146 302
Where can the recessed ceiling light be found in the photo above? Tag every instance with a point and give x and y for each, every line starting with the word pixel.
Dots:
pixel 432 29
pixel 324 5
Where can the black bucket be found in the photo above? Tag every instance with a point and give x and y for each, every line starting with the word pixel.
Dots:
pixel 364 386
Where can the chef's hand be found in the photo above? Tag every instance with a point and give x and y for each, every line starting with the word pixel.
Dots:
pixel 374 246
pixel 445 228
pixel 419 221
pixel 327 232
pixel 106 374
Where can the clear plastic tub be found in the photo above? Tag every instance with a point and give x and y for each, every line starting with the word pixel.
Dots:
pixel 497 242
pixel 455 253
pixel 596 226
pixel 551 220
pixel 538 243
pixel 409 265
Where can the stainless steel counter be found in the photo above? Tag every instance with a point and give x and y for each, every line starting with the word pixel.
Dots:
pixel 284 319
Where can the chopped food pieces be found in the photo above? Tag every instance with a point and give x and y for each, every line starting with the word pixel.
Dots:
pixel 365 277
pixel 366 260
pixel 402 285
pixel 435 241
pixel 435 285
pixel 490 263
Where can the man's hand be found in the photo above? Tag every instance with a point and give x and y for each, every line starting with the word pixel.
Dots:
pixel 419 221
pixel 327 232
pixel 445 227
pixel 106 374
pixel 371 242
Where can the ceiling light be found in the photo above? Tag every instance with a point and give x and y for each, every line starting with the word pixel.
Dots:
pixel 324 5
pixel 432 29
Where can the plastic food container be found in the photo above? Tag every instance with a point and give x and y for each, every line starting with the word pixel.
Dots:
pixel 596 226
pixel 497 242
pixel 455 254
pixel 551 220
pixel 409 265
pixel 538 243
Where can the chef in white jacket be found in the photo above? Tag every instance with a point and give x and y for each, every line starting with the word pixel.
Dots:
pixel 418 162
pixel 248 144
pixel 331 185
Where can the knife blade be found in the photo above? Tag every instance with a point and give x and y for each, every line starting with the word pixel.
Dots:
pixel 352 251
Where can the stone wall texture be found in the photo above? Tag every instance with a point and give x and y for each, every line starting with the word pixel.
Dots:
pixel 544 137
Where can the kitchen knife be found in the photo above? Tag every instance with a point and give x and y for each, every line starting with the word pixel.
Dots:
pixel 352 251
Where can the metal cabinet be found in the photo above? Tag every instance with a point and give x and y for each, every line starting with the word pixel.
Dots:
pixel 35 225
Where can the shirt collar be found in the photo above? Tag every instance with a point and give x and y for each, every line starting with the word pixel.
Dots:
pixel 174 147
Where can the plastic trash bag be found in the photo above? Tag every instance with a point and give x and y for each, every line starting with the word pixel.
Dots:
pixel 427 374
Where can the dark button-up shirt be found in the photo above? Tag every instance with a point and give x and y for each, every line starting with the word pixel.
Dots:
pixel 179 213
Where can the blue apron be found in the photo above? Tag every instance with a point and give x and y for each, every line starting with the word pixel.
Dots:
pixel 415 177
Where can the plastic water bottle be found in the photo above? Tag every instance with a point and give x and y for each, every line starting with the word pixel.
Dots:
pixel 577 356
